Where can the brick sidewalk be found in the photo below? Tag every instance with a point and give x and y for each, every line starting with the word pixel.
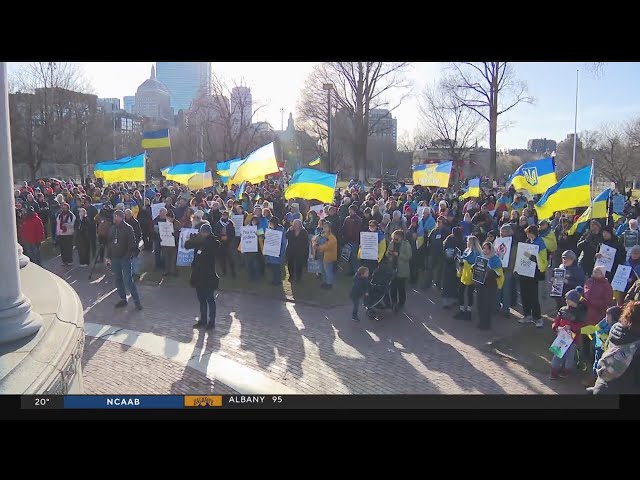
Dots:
pixel 310 349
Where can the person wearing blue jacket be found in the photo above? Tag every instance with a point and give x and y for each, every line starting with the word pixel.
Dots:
pixel 275 263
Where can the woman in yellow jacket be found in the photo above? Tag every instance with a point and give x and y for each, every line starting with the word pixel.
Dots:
pixel 327 244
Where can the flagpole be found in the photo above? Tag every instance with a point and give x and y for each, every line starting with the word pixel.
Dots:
pixel 575 125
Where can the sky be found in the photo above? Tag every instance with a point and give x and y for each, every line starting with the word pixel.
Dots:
pixel 609 98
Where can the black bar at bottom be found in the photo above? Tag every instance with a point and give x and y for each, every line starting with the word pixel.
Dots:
pixel 423 402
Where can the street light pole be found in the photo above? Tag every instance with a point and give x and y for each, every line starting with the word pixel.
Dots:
pixel 328 87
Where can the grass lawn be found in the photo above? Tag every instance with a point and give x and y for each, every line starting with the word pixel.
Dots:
pixel 307 291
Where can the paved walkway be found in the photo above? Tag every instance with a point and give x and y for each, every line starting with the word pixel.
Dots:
pixel 261 344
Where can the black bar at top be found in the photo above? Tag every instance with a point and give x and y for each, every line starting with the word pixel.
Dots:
pixel 423 402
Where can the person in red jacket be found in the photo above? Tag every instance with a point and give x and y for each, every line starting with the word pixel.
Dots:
pixel 599 296
pixel 32 235
pixel 569 317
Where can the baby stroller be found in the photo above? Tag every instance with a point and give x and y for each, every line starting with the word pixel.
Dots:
pixel 379 286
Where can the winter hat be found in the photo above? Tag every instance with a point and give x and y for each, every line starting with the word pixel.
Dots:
pixel 573 295
pixel 414 219
pixel 569 254
pixel 407 209
pixel 615 312
pixel 205 228
pixel 118 213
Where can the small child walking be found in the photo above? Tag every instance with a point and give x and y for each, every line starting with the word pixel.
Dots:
pixel 359 290
pixel 569 317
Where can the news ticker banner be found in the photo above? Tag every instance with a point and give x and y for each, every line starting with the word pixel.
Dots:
pixel 322 402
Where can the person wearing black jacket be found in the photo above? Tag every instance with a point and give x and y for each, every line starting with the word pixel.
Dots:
pixel 203 273
pixel 609 239
pixel 137 232
pixel 225 232
pixel 92 227
pixel 435 257
pixel 121 248
pixel 82 228
pixel 146 224
pixel 297 250
pixel 588 247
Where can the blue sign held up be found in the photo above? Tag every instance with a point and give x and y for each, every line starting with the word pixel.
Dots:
pixel 618 204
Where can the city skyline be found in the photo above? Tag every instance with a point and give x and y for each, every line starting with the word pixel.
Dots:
pixel 611 98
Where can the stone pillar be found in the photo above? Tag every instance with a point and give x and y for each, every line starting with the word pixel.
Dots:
pixel 17 320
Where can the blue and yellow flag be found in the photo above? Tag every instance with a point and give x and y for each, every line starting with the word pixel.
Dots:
pixel 572 191
pixel 156 139
pixel 312 184
pixel 314 162
pixel 126 169
pixel 182 172
pixel 200 180
pixel 432 174
pixel 599 209
pixel 474 189
pixel 226 170
pixel 257 165
pixel 240 191
pixel 536 177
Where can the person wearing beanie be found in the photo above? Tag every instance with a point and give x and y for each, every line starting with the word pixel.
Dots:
pixel 203 273
pixel 121 248
pixel 570 317
pixel 573 276
pixel 602 334
pixel 609 238
pixel 434 250
pixel 453 246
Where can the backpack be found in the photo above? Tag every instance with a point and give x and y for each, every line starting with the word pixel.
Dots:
pixel 615 360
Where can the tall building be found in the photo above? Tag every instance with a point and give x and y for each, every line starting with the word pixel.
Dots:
pixel 541 145
pixel 152 99
pixel 128 103
pixel 241 107
pixel 108 104
pixel 382 125
pixel 184 80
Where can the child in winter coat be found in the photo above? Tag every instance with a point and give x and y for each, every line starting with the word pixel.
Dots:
pixel 570 317
pixel 602 334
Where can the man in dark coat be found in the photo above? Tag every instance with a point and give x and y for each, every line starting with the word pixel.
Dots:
pixel 203 273
pixel 588 247
pixel 121 248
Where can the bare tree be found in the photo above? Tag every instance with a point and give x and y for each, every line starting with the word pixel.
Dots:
pixel 49 110
pixel 489 89
pixel 617 159
pixel 447 121
pixel 358 88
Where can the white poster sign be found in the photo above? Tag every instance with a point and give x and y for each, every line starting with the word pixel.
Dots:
pixel 562 342
pixel 238 221
pixel 166 234
pixel 369 245
pixel 272 242
pixel 619 282
pixel 319 209
pixel 503 249
pixel 249 241
pixel 185 257
pixel 608 256
pixel 524 266
pixel 155 209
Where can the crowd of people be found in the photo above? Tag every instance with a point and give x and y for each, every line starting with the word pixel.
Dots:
pixel 429 237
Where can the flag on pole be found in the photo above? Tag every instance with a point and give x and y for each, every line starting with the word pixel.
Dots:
pixel 257 165
pixel 312 184
pixel 474 189
pixel 536 177
pixel 156 139
pixel 572 191
pixel 597 210
pixel 126 169
pixel 432 174
pixel 182 172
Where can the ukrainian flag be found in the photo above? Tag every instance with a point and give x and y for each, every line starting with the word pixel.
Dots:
pixel 156 139
pixel 226 170
pixel 126 169
pixel 200 180
pixel 535 177
pixel 572 191
pixel 182 172
pixel 312 184
pixel 257 165
pixel 474 189
pixel 314 162
pixel 597 210
pixel 433 174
